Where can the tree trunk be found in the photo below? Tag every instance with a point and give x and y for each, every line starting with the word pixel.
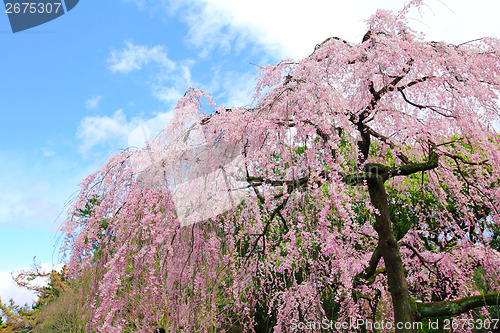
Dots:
pixel 405 314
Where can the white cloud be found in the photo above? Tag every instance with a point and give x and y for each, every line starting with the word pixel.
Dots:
pixel 10 290
pixel 94 131
pixel 284 29
pixel 93 103
pixel 134 57
pixel 289 30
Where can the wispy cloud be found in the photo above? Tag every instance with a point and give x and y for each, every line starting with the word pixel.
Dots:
pixel 232 88
pixel 48 152
pixel 93 103
pixel 28 205
pixel 148 129
pixel 94 131
pixel 152 5
pixel 134 57
pixel 34 191
pixel 166 94
pixel 116 131
pixel 33 208
pixel 27 210
pixel 168 79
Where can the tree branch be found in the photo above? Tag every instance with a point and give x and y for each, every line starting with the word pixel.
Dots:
pixel 408 169
pixel 424 261
pixel 392 85
pixel 456 157
pixel 419 106
pixel 388 141
pixel 456 307
pixel 296 183
pixel 371 270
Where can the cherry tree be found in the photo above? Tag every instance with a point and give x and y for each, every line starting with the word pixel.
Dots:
pixel 363 183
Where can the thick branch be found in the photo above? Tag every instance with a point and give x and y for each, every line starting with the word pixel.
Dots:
pixel 456 307
pixel 408 169
pixel 370 171
pixel 392 85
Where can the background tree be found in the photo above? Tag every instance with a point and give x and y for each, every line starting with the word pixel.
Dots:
pixel 50 313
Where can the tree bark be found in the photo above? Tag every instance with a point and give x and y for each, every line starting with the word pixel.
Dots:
pixel 403 304
pixel 456 307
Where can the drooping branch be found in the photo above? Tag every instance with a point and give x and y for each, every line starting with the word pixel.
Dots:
pixel 370 270
pixel 424 261
pixel 258 181
pixel 430 107
pixel 471 184
pixel 415 251
pixel 322 135
pixel 391 144
pixel 463 160
pixel 273 214
pixel 456 307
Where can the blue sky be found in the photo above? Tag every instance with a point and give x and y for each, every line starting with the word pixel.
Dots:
pixel 79 88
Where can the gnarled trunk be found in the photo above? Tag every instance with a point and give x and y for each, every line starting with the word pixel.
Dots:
pixel 404 309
